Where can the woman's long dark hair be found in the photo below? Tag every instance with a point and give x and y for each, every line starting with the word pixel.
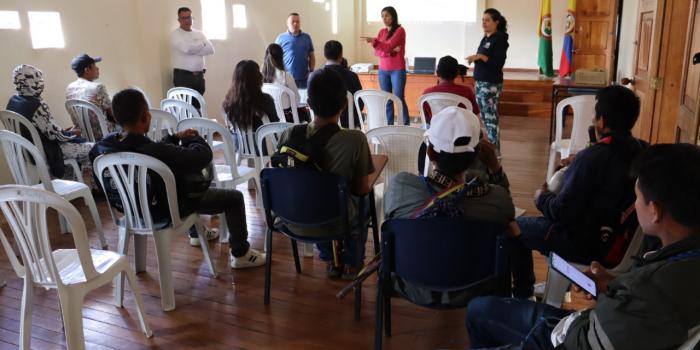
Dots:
pixel 244 100
pixel 273 60
pixel 394 20
pixel 496 16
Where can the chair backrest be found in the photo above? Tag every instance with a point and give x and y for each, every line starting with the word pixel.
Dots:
pixel 375 101
pixel 438 101
pixel 25 210
pixel 188 95
pixel 443 254
pixel 401 144
pixel 81 111
pixel 351 111
pixel 208 128
pixel 161 121
pixel 129 173
pixel 27 164
pixel 584 110
pixel 148 100
pixel 14 122
pixel 270 134
pixel 278 92
pixel 325 197
pixel 245 138
pixel 180 109
pixel 693 339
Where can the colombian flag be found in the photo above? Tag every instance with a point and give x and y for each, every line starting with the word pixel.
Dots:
pixel 567 52
pixel 544 56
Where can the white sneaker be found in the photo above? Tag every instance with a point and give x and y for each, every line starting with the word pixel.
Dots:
pixel 209 233
pixel 252 258
pixel 307 250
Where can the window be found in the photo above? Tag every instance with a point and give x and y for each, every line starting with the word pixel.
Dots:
pixel 240 18
pixel 9 20
pixel 328 6
pixel 214 19
pixel 45 29
pixel 416 11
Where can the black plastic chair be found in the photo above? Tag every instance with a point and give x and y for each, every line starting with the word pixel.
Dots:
pixel 306 198
pixel 442 255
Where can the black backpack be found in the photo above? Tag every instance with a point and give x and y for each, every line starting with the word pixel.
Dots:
pixel 300 152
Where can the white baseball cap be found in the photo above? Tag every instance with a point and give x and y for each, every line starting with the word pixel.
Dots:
pixel 450 124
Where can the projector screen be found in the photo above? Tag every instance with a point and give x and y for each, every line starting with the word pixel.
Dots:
pixel 424 11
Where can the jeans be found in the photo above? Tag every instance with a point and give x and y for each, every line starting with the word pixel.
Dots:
pixel 394 81
pixel 230 202
pixel 301 83
pixel 503 323
pixel 359 233
pixel 533 230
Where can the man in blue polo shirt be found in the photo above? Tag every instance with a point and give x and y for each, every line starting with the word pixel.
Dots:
pixel 298 50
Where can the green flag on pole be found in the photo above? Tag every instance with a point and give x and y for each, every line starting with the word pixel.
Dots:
pixel 544 56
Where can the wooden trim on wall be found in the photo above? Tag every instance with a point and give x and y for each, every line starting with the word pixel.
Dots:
pixel 671 56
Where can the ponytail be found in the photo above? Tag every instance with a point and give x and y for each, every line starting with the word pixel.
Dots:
pixel 498 17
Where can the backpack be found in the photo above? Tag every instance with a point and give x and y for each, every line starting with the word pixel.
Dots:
pixel 300 152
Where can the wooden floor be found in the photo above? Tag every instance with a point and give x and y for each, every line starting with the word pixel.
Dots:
pixel 228 312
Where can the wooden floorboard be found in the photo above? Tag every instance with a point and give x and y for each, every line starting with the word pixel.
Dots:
pixel 228 312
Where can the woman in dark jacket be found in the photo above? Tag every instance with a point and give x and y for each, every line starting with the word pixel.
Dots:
pixel 488 71
pixel 245 104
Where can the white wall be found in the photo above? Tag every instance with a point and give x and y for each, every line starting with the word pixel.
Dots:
pixel 462 39
pixel 628 35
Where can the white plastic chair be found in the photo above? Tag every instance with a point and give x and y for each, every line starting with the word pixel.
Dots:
pixel 375 102
pixel 81 110
pixel 279 92
pixel 17 151
pixel 269 134
pixel 438 101
pixel 161 121
pixel 188 95
pixel 401 144
pixel 351 111
pixel 128 172
pixel 584 111
pixel 246 150
pixel 180 109
pixel 557 285
pixel 693 339
pixel 13 121
pixel 227 175
pixel 73 272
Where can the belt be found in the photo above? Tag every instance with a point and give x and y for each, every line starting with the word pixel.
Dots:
pixel 189 72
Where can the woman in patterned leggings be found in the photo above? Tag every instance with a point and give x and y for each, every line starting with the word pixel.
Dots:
pixel 488 71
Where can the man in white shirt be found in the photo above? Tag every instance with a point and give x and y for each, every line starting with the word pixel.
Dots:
pixel 87 88
pixel 189 46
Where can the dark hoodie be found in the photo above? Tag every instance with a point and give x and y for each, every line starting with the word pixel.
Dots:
pixel 184 157
pixel 495 48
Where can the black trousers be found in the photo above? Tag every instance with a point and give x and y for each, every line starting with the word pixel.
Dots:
pixel 230 202
pixel 192 80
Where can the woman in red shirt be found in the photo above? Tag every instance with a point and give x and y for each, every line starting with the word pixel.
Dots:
pixel 390 47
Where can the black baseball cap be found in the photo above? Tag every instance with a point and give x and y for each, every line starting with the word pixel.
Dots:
pixel 82 61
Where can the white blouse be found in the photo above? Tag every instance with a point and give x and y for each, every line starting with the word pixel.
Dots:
pixel 286 79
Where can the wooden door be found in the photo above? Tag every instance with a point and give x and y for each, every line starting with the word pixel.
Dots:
pixel 687 124
pixel 594 43
pixel 646 64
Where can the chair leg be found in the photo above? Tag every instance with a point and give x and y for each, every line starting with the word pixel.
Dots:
pixel 258 190
pixel 268 265
pixel 358 289
pixel 378 317
pixel 90 203
pixel 223 229
pixel 205 248
pixel 131 277
pixel 63 225
pixel 25 331
pixel 295 253
pixel 123 249
pixel 140 251
pixel 374 222
pixel 167 292
pixel 72 309
pixel 550 163
pixel 387 315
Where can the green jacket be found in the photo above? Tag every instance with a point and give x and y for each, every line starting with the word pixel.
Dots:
pixel 651 307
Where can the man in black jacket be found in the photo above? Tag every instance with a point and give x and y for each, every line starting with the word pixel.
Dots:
pixel 582 222
pixel 333 51
pixel 654 306
pixel 186 154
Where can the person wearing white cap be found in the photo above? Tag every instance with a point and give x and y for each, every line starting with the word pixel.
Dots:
pixel 455 144
pixel 87 88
